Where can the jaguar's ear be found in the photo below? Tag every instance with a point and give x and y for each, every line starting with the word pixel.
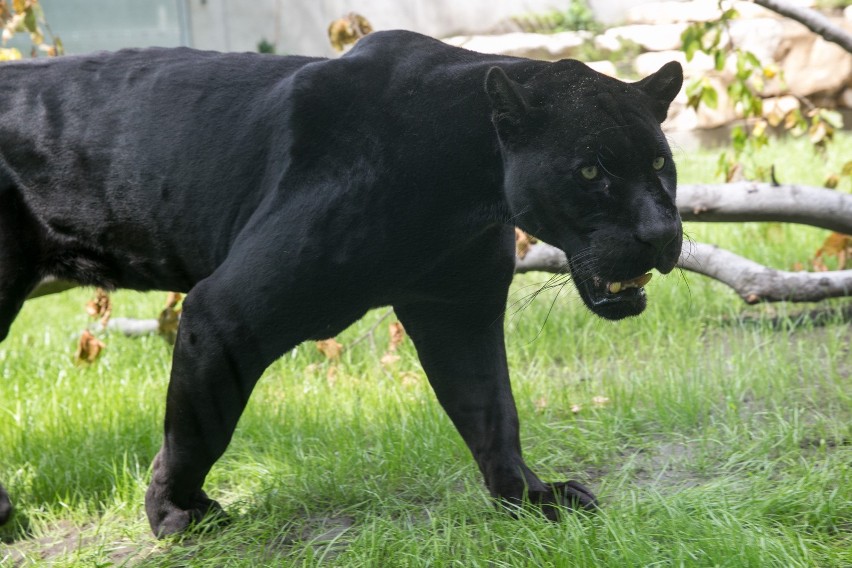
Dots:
pixel 509 107
pixel 663 86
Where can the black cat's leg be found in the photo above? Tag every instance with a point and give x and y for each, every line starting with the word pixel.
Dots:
pixel 462 350
pixel 227 337
pixel 233 325
pixel 5 506
pixel 18 277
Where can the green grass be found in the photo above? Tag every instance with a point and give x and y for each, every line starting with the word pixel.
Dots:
pixel 725 440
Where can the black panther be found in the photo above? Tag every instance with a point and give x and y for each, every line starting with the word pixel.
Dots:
pixel 289 195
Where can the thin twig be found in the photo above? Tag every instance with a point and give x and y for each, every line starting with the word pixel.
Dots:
pixel 369 333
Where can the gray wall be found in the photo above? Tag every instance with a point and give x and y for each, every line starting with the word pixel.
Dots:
pixel 294 26
pixel 94 25
pixel 299 26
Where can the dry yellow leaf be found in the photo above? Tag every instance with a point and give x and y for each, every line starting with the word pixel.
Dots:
pixel 600 400
pixel 347 30
pixel 331 376
pixel 330 348
pixel 389 360
pixel 169 318
pixel 397 335
pixel 88 348
pixel 100 306
pixel 836 244
pixel 410 379
pixel 523 242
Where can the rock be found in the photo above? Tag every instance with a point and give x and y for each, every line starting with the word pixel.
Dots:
pixel 813 65
pixel 680 119
pixel 665 37
pixel 761 36
pixel 605 67
pixel 608 43
pixel 776 108
pixel 845 98
pixel 550 47
pixel 673 12
pixel 647 63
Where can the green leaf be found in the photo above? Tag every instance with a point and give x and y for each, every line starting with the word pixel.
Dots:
pixel 832 117
pixel 729 14
pixel 738 138
pixel 735 91
pixel 743 72
pixel 717 39
pixel 710 97
pixel 690 42
pixel 753 60
pixel 30 21
pixel 39 11
pixel 847 169
pixel 694 88
pixel 719 57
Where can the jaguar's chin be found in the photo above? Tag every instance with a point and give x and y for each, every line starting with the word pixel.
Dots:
pixel 614 300
pixel 612 296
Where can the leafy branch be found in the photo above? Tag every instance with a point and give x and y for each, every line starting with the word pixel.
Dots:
pixel 749 76
pixel 26 16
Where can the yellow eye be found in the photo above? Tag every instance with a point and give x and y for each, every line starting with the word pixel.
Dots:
pixel 658 163
pixel 589 172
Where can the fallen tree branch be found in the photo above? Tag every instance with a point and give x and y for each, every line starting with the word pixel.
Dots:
pixel 812 20
pixel 132 327
pixel 749 201
pixel 757 283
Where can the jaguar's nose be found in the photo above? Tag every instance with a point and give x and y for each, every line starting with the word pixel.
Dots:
pixel 663 239
pixel 657 235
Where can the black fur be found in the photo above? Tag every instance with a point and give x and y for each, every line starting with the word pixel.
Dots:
pixel 289 195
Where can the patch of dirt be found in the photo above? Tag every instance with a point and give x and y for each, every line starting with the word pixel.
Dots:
pixel 62 540
pixel 666 464
pixel 319 532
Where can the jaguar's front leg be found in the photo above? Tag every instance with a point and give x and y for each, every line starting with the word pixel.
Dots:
pixel 462 351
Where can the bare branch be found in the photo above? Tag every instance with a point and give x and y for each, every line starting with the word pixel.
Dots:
pixel 812 20
pixel 749 201
pixel 757 283
pixel 133 327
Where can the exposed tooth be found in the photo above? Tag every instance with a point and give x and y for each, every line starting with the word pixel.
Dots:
pixel 642 280
pixel 616 287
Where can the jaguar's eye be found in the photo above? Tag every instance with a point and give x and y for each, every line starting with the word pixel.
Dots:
pixel 589 172
pixel 658 163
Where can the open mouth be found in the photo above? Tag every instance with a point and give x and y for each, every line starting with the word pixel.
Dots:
pixel 613 299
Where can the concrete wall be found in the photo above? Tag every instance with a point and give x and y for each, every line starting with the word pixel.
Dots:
pixel 299 26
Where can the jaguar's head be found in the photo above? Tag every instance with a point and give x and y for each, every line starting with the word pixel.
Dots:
pixel 587 169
